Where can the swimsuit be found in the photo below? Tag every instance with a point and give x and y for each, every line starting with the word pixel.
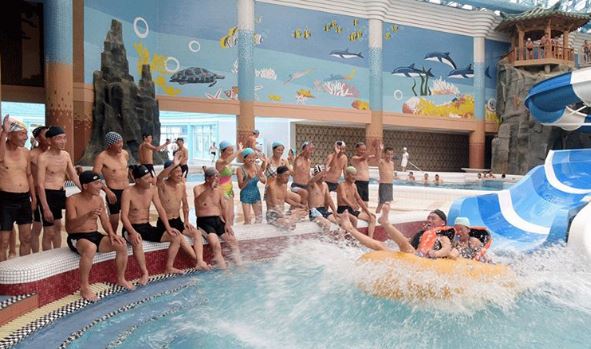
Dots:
pixel 344 208
pixel 250 193
pixel 319 212
pixel 56 200
pixel 116 207
pixel 147 231
pixel 295 185
pixel 175 223
pixel 332 186
pixel 385 192
pixel 185 169
pixel 211 225
pixel 95 237
pixel 226 182
pixel 14 207
pixel 363 189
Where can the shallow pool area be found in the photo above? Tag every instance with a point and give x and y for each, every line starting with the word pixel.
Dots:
pixel 308 297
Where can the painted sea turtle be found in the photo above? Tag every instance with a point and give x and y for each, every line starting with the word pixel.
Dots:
pixel 195 75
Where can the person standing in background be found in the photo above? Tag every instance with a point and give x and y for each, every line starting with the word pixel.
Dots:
pixel 213 151
pixel 404 161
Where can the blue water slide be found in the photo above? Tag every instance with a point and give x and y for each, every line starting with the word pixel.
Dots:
pixel 539 209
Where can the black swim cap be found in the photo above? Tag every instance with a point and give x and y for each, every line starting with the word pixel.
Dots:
pixel 139 171
pixel 88 177
pixel 54 131
pixel 37 130
pixel 441 215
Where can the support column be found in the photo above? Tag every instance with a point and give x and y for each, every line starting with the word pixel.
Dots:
pixel 82 105
pixel 375 130
pixel 57 18
pixel 245 121
pixel 477 137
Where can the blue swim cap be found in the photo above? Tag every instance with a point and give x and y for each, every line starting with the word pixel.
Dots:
pixel 224 145
pixel 246 152
pixel 276 144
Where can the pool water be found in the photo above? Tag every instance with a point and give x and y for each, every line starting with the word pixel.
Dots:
pixel 308 298
pixel 491 185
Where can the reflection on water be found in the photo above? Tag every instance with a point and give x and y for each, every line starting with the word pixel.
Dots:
pixel 308 298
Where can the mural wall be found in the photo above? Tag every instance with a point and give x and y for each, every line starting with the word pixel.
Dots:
pixel 192 54
pixel 495 50
pixel 302 57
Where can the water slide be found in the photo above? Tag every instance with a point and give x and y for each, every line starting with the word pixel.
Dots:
pixel 549 204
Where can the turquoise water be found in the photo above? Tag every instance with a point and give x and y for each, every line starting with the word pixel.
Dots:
pixel 308 298
pixel 491 185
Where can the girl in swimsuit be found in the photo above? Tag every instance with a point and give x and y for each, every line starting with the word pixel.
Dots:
pixel 248 177
pixel 223 165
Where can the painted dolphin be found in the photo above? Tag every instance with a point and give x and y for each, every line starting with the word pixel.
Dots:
pixel 298 75
pixel 466 73
pixel 411 72
pixel 487 72
pixel 345 54
pixel 441 57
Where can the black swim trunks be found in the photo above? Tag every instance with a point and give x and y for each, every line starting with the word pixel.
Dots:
pixel 363 190
pixel 295 185
pixel 147 231
pixel 38 212
pixel 150 168
pixel 116 207
pixel 385 193
pixel 175 223
pixel 14 207
pixel 342 209
pixel 211 225
pixel 56 200
pixel 319 210
pixel 95 237
pixel 332 186
pixel 185 169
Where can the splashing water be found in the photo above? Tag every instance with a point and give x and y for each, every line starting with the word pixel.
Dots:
pixel 309 297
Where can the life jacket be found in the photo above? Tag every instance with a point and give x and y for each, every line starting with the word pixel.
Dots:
pixel 482 234
pixel 429 238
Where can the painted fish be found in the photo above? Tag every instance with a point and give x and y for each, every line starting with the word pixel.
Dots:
pixel 327 27
pixel 388 36
pixel 297 34
pixel 229 40
pixel 304 93
pixel 298 75
pixel 257 38
pixel 307 33
pixel 274 98
pixel 345 54
pixel 441 57
pixel 411 72
pixel 394 28
pixel 338 30
pixel 466 73
pixel 360 104
pixel 355 22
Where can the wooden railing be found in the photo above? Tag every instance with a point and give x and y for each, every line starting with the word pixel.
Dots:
pixel 539 52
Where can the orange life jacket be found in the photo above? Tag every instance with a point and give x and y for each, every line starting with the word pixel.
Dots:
pixel 428 239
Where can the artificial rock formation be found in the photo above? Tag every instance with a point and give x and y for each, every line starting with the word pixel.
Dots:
pixel 522 143
pixel 119 104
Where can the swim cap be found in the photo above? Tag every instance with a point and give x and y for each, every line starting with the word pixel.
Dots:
pixel 441 214
pixel 16 125
pixel 246 152
pixel 140 171
pixel 317 169
pixel 54 131
pixel 37 131
pixel 88 177
pixel 276 144
pixel 112 138
pixel 462 221
pixel 210 172
pixel 305 144
pixel 351 170
pixel 340 143
pixel 224 145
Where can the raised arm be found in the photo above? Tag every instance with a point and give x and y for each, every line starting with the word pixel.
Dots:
pixel 166 172
pixel 3 135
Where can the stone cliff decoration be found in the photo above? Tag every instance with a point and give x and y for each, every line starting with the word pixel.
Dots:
pixel 119 104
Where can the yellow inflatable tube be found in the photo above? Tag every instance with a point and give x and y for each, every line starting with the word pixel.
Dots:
pixel 452 276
